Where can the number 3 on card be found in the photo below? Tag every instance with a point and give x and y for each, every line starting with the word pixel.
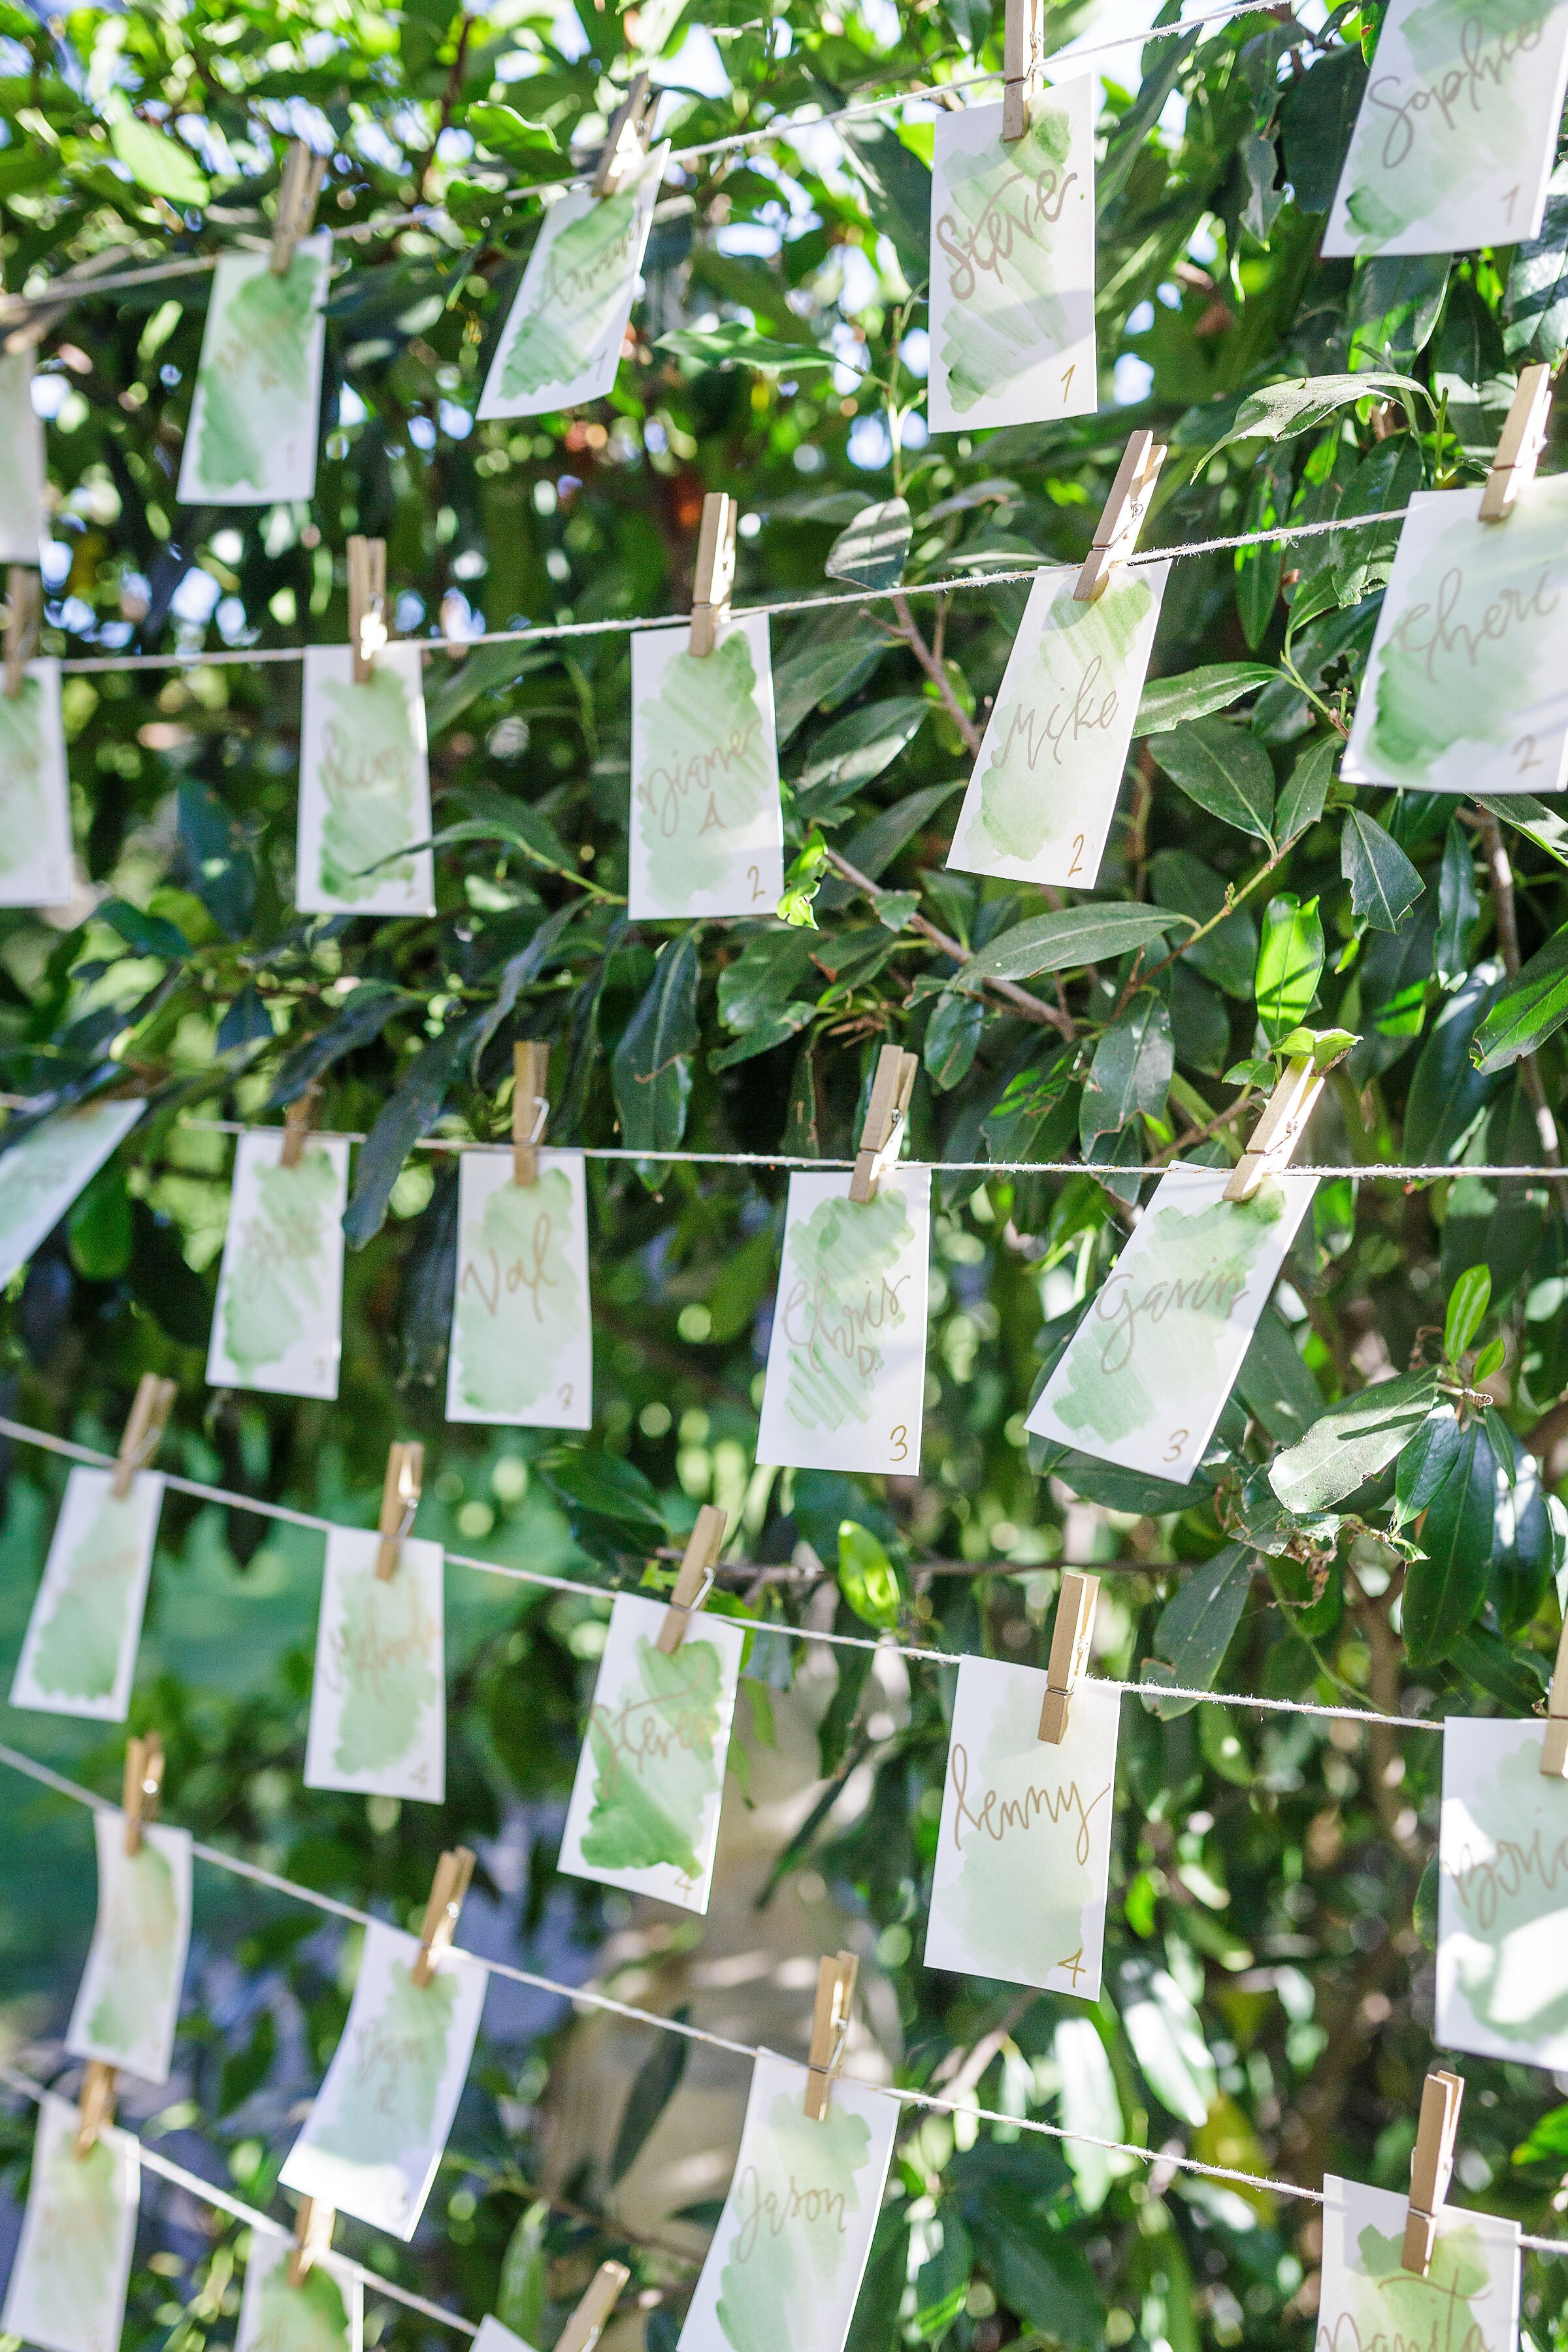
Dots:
pixel 898 1441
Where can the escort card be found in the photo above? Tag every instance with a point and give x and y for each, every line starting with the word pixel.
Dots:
pixel 67 2290
pixel 378 1699
pixel 278 1324
pixel 256 410
pixel 36 863
pixel 522 1340
pixel 128 2004
pixel 79 1655
pixel 1502 1894
pixel 365 787
pixel 325 2313
pixel 1369 2301
pixel 43 1171
pixel 706 829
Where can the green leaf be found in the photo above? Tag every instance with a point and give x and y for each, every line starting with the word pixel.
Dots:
pixel 857 748
pixel 1195 1628
pixel 654 2086
pixel 507 133
pixel 1301 404
pixel 900 185
pixel 150 935
pixel 1316 115
pixel 1384 884
pixel 941 2282
pixel 156 163
pixel 1536 305
pixel 98 1228
pixel 1225 769
pixel 1468 1303
pixel 1353 1442
pixel 1425 1464
pixel 873 550
pixel 1274 1382
pixel 1533 819
pixel 734 344
pixel 1531 1008
pixel 1228 954
pixel 1459 905
pixel 1131 1072
pixel 651 1071
pixel 1166 702
pixel 824 673
pixel 866 1577
pixel 410 1111
pixel 609 1504
pixel 1167 2038
pixel 1395 300
pixel 755 988
pixel 1306 788
pixel 1447 1093
pixel 366 1012
pixel 1289 962
pixel 1089 933
pixel 952 1038
pixel 522 2292
pixel 1491 1360
pixel 875 846
pixel 1446 1586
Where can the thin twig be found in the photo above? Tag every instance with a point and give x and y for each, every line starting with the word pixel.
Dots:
pixel 1031 1007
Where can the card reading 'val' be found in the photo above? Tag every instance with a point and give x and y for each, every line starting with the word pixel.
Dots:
pixel 374 2135
pixel 1012 265
pixel 1044 787
pixel 325 2313
pixel 79 1656
pixel 1371 2303
pixel 790 2251
pixel 707 830
pixel 1466 687
pixel 1145 1376
pixel 127 2003
pixel 255 415
pixel 1502 1894
pixel 846 1356
pixel 521 1349
pixel 378 1699
pixel 278 1322
pixel 67 2289
pixel 35 867
pixel 650 1779
pixel 1022 1855
pixel 365 787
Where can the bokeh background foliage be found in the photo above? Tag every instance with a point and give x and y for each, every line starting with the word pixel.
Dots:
pixel 1268 1979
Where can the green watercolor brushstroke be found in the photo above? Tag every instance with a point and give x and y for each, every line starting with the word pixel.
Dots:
pixel 576 301
pixel 997 336
pixel 311 2318
pixel 24 815
pixel 140 1948
pixel 706 770
pixel 388 2094
pixel 367 784
pixel 519 1303
pixel 1442 168
pixel 389 1677
pixel 276 1289
pixel 771 2300
pixel 1031 789
pixel 649 1806
pixel 1177 1348
pixel 75 2249
pixel 1391 2307
pixel 840 1257
pixel 78 1649
pixel 259 369
pixel 1509 1798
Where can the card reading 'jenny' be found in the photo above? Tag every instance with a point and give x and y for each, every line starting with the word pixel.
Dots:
pixel 1012 265
pixel 846 1356
pixel 365 787
pixel 35 866
pixel 79 1655
pixel 378 1698
pixel 67 2289
pixel 1502 1895
pixel 1466 687
pixel 650 1779
pixel 41 1174
pixel 21 462
pixel 1454 143
pixel 1145 1376
pixel 1369 2302
pixel 522 1340
pixel 787 2259
pixel 127 2003
pixel 1022 1855
pixel 278 1324
pixel 256 415
pixel 374 2135
pixel 562 341
pixel 1045 786
pixel 707 827
pixel 325 2313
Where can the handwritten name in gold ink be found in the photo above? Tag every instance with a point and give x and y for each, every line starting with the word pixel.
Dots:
pixel 1427 631
pixel 1123 1308
pixel 825 1326
pixel 486 1275
pixel 981 250
pixel 997 1817
pixel 666 787
pixel 1484 1882
pixel 774 2209
pixel 1450 92
pixel 644 1731
pixel 1086 712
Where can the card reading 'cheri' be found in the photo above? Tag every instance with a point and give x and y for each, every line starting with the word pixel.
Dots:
pixel 67 2289
pixel 1045 786
pixel 128 2004
pixel 1502 1894
pixel 1012 265
pixel 42 1172
pixel 1371 2303
pixel 1466 688
pixel 650 1779
pixel 1145 1376
pixel 846 1356
pixel 278 1324
pixel 1022 1855
pixel 36 868
pixel 365 787
pixel 790 2251
pixel 325 2313
pixel 255 415
pixel 79 1655
pixel 707 827
pixel 374 2135
pixel 521 1349
pixel 378 1699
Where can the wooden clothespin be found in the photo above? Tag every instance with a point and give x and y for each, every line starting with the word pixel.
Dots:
pixel 297 1123
pixel 1520 444
pixel 625 142
pixel 448 1888
pixel 399 1501
pixel 829 2030
pixel 1070 1635
pixel 715 573
pixel 588 2321
pixel 530 1108
pixel 694 1581
pixel 367 603
pixel 1431 2166
pixel 140 1788
pixel 886 1113
pixel 95 2107
pixel 1022 44
pixel 1117 533
pixel 303 173
pixel 1554 1747
pixel 23 608
pixel 1279 1130
pixel 313 2225
pixel 144 1428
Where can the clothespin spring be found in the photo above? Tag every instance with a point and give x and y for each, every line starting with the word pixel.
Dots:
pixel 1280 1128
pixel 1116 534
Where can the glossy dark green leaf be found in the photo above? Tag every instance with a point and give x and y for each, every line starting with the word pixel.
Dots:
pixel 1167 702
pixel 1289 960
pixel 873 549
pixel 1529 1008
pixel 218 865
pixel 1459 905
pixel 1089 933
pixel 1446 1586
pixel 1223 768
pixel 410 1111
pixel 1274 1382
pixel 1353 1442
pixel 1384 884
pixel 733 343
pixel 953 1038
pixel 366 1010
pixel 1195 1627
pixel 1131 1072
pixel 654 2084
pixel 1448 1093
pixel 149 935
pixel 1537 300
pixel 651 1069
